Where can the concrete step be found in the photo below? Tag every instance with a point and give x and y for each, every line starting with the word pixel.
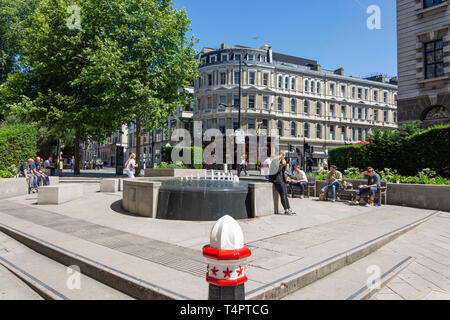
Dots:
pixel 12 288
pixel 358 281
pixel 50 279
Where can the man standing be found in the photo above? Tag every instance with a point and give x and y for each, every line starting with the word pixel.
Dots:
pixel 334 179
pixel 373 183
pixel 299 179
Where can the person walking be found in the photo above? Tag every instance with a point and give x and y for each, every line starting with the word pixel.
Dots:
pixel 277 177
pixel 130 165
pixel 243 165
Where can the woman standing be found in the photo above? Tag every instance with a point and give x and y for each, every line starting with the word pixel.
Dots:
pixel 243 165
pixel 277 177
pixel 130 165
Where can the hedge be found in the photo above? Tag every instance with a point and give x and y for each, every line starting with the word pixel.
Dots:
pixel 196 155
pixel 17 144
pixel 427 149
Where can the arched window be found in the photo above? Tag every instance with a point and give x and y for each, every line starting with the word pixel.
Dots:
pixel 293 83
pixel 280 128
pixel 312 86
pixel 306 130
pixel 306 86
pixel 293 105
pixel 293 129
pixel 280 81
pixel 319 131
pixel 280 104
pixel 318 87
pixel 286 83
pixel 306 107
pixel 319 108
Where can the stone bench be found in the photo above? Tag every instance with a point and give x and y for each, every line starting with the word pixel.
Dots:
pixel 110 185
pixel 60 193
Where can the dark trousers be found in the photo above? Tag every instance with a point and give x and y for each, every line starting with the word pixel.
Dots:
pixel 282 190
pixel 300 184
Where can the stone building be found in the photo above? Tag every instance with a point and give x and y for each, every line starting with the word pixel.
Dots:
pixel 290 97
pixel 423 28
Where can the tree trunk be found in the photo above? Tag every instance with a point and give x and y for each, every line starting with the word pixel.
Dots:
pixel 138 147
pixel 76 169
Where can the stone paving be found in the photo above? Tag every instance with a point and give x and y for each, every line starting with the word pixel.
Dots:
pixel 428 276
pixel 281 245
pixel 12 288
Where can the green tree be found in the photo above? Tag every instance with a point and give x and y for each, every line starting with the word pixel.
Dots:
pixel 115 62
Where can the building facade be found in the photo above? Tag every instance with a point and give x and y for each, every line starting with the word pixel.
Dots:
pixel 423 28
pixel 290 97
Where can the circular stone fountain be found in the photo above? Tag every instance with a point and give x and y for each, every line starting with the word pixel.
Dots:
pixel 203 200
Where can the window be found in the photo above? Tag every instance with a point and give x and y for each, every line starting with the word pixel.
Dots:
pixel 332 110
pixel 237 56
pixel 385 97
pixel 359 93
pixel 385 116
pixel 286 83
pixel 343 133
pixel 319 108
pixel 360 113
pixel 306 130
pixel 251 124
pixel 431 3
pixel 332 133
pixel 306 107
pixel 366 94
pixel 342 91
pixel 293 129
pixel 434 59
pixel 319 131
pixel 223 78
pixel 224 57
pixel 280 81
pixel 293 83
pixel 265 79
pixel 251 77
pixel 265 124
pixel 312 86
pixel 251 102
pixel 318 87
pixel 265 103
pixel 222 125
pixel 280 128
pixel 375 95
pixel 306 86
pixel 235 124
pixel 331 89
pixel 343 112
pixel 208 103
pixel 237 77
pixel 293 105
pixel 353 92
pixel 209 79
pixel 375 115
pixel 359 134
pixel 395 117
pixel 280 104
pixel 251 57
pixel 222 100
pixel 236 101
pixel 354 137
pixel 212 59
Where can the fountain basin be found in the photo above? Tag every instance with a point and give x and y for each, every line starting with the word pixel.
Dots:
pixel 203 200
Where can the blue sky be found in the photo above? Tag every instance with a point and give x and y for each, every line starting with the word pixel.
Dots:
pixel 334 32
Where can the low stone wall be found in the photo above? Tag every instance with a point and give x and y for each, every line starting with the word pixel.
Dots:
pixel 14 187
pixel 174 172
pixel 419 196
pixel 140 196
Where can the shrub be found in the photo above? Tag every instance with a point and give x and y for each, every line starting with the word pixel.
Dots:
pixel 6 174
pixel 196 156
pixel 348 156
pixel 17 144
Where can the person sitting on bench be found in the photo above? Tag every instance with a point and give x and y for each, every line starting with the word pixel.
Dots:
pixel 373 183
pixel 26 171
pixel 41 176
pixel 298 179
pixel 334 179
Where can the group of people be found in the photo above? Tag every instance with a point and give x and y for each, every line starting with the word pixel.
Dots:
pixel 32 171
pixel 334 182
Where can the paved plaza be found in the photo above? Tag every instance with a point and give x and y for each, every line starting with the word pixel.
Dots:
pixel 322 238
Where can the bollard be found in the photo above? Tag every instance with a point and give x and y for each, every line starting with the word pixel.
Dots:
pixel 226 256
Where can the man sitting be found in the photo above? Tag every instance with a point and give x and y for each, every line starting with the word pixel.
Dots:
pixel 298 179
pixel 334 179
pixel 26 171
pixel 373 183
pixel 41 176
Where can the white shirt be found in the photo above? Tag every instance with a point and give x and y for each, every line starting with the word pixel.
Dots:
pixel 299 176
pixel 266 166
pixel 130 165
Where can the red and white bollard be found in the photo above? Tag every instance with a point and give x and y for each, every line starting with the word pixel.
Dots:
pixel 226 256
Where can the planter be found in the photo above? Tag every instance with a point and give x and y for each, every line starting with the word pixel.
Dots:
pixel 14 187
pixel 425 196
